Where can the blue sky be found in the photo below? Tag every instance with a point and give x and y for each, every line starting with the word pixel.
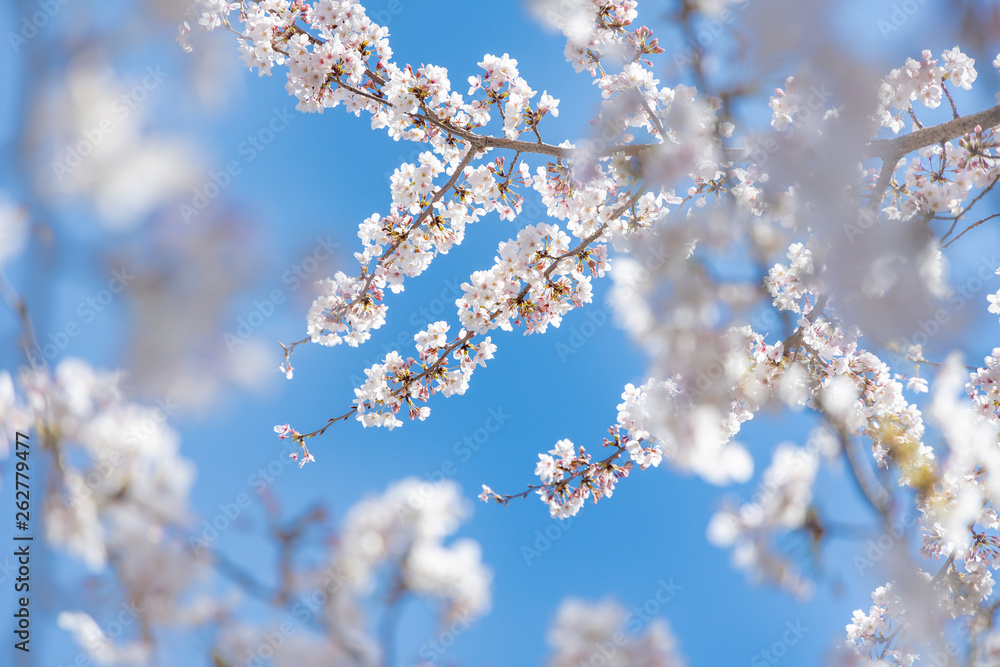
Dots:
pixel 321 176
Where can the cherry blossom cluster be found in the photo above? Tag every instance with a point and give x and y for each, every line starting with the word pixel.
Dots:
pixel 352 325
pixel 694 437
pixel 853 387
pixel 661 420
pixel 494 297
pixel 822 366
pixel 871 634
pixel 564 465
pixel 397 383
pixel 336 55
pixel 103 649
pixel 942 177
pixel 907 617
pixel 389 546
pixel 708 377
pixel 84 412
pixel 984 389
pixel 532 284
pixel 592 28
pixel 959 518
pixel 959 524
pixel 922 80
pixel 348 309
pixel 785 282
pixel 537 278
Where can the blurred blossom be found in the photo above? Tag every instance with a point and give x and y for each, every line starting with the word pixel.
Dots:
pixel 729 183
pixel 182 306
pixel 584 633
pixel 101 147
pixel 14 228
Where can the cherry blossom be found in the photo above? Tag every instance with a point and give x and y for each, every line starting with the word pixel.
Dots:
pixel 660 199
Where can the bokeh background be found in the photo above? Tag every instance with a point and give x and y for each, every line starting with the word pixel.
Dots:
pixel 215 276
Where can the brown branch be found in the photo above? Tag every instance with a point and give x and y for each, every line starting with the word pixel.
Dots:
pixel 884 177
pixel 874 492
pixel 504 499
pixel 892 150
pixel 972 226
pixel 445 353
pixel 968 208
pixel 536 147
pixel 17 304
pixel 795 339
pixel 385 260
pixel 900 146
pixel 653 118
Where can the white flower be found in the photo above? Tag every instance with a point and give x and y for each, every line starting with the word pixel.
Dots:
pixel 549 104
pixel 994 300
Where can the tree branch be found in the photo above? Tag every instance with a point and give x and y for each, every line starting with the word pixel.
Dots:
pixel 900 146
pixel 891 150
